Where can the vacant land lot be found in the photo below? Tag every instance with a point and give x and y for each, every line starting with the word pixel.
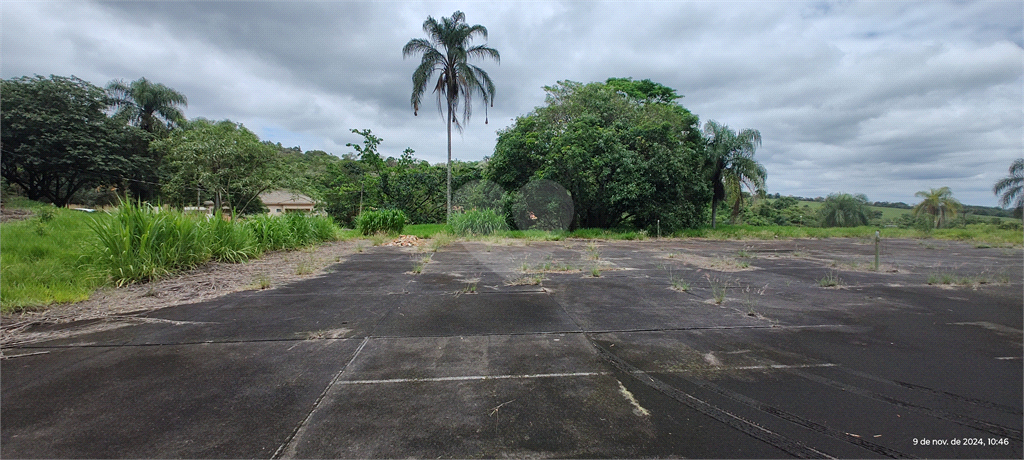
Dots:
pixel 669 348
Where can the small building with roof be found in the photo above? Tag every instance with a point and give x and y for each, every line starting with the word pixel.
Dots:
pixel 279 202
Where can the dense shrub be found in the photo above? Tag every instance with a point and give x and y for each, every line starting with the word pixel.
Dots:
pixel 1010 225
pixel 478 222
pixel 382 221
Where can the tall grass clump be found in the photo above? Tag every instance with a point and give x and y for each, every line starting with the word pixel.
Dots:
pixel 271 232
pixel 478 222
pixel 295 230
pixel 230 242
pixel 140 242
pixel 381 221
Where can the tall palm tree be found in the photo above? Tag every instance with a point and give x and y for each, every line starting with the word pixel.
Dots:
pixel 151 106
pixel 938 202
pixel 732 163
pixel 447 52
pixel 1010 189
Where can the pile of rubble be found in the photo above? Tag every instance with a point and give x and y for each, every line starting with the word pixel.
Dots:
pixel 405 241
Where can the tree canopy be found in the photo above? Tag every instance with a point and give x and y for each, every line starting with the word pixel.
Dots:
pixel 57 138
pixel 1010 189
pixel 223 160
pixel 844 210
pixel 625 162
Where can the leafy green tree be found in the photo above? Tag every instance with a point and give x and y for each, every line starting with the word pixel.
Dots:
pixel 447 52
pixel 732 164
pixel 58 140
pixel 939 203
pixel 644 90
pixel 1010 189
pixel 844 210
pixel 624 161
pixel 221 160
pixel 367 180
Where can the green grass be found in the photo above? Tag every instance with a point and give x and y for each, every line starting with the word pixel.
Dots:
pixel 477 222
pixel 980 234
pixel 425 230
pixel 63 256
pixel 47 262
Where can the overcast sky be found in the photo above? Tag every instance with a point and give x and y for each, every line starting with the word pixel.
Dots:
pixel 881 98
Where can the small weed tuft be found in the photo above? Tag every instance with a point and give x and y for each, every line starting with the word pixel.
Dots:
pixel 831 279
pixel 262 281
pixel 718 288
pixel 440 240
pixel 305 268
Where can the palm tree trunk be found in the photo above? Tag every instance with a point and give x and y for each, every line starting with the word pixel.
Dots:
pixel 448 215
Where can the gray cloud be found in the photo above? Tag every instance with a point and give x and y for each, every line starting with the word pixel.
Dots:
pixel 881 98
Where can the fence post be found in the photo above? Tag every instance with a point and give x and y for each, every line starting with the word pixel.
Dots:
pixel 878 238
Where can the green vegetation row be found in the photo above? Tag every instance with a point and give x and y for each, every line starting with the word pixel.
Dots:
pixel 60 255
pixel 63 256
pixel 142 242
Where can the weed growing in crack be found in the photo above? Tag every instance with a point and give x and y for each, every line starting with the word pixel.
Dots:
pixel 595 272
pixel 527 280
pixel 718 288
pixel 440 240
pixel 831 279
pixel 677 282
pixel 749 296
pixel 592 252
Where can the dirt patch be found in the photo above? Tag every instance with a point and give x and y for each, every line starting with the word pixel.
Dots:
pixel 720 263
pixel 7 215
pixel 405 241
pixel 209 282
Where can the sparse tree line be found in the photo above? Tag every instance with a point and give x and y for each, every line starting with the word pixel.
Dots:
pixel 625 154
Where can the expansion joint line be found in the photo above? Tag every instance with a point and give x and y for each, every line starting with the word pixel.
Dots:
pixel 288 447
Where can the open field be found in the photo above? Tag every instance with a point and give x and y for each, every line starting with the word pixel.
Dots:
pixel 572 348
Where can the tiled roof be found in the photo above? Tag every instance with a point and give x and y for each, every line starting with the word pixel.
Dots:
pixel 285 197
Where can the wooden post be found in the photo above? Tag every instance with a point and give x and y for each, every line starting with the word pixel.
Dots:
pixel 878 238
